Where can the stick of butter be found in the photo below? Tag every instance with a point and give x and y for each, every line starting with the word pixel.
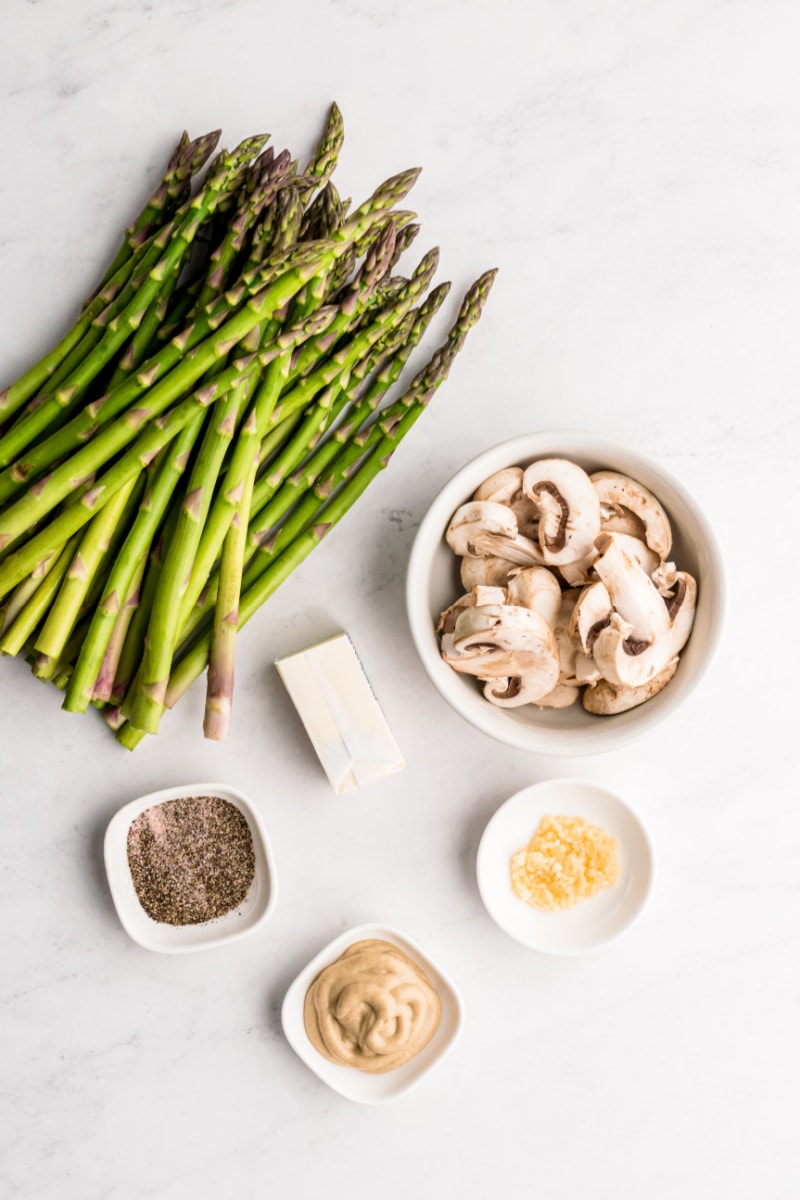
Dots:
pixel 342 717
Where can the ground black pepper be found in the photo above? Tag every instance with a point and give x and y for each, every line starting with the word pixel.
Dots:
pixel 191 859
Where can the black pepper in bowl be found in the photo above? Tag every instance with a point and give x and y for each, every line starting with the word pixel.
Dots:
pixel 191 860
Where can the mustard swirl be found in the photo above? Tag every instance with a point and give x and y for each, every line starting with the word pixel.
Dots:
pixel 373 1008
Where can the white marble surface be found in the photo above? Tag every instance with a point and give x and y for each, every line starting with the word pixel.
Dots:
pixel 633 169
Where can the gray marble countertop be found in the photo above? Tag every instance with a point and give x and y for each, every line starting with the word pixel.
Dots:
pixel 633 169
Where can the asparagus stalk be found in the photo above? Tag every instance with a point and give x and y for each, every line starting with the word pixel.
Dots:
pixel 186 160
pixel 19 632
pixel 147 700
pixel 131 558
pixel 326 155
pixel 85 565
pixel 104 683
pixel 219 696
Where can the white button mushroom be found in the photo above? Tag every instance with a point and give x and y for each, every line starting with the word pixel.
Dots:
pixel 632 591
pixel 487 529
pixel 625 661
pixel 618 494
pixel 569 509
pixel 495 640
pixel 606 700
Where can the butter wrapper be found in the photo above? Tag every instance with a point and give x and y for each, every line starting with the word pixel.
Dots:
pixel 342 717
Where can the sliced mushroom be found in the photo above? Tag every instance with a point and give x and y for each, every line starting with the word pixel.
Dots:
pixel 586 669
pixel 496 640
pixel 505 487
pixel 581 572
pixel 513 692
pixel 484 529
pixel 613 520
pixel 479 594
pixel 493 572
pixel 592 612
pixel 625 662
pixel 632 591
pixel 477 521
pixel 536 588
pixel 562 696
pixel 619 493
pixel 606 700
pixel 569 508
pixel 566 646
pixel 502 487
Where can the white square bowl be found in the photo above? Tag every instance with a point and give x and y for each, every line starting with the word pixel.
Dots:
pixel 254 910
pixel 357 1085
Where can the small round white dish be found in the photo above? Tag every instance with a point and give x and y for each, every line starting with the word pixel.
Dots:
pixel 180 939
pixel 432 583
pixel 594 922
pixel 349 1081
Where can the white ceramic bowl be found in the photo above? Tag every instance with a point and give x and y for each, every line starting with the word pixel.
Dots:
pixel 348 1081
pixel 433 583
pixel 179 939
pixel 594 922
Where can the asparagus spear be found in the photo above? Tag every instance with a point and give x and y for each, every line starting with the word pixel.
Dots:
pixel 147 700
pixel 85 565
pixel 219 696
pixel 132 556
pixel 186 160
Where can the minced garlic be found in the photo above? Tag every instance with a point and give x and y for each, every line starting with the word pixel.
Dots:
pixel 567 860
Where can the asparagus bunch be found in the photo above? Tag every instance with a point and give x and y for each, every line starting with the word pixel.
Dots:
pixel 222 400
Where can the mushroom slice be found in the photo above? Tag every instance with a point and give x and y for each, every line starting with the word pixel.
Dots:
pixel 632 591
pixel 484 529
pixel 535 588
pixel 561 696
pixel 569 508
pixel 639 552
pixel 447 618
pixel 619 492
pixel 505 487
pixel 493 572
pixel 592 612
pixel 502 487
pixel 514 692
pixel 477 520
pixel 495 640
pixel 477 595
pixel 566 647
pixel 606 700
pixel 580 572
pixel 613 520
pixel 626 662
pixel 586 669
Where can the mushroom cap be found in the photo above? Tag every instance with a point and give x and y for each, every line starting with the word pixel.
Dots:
pixel 494 640
pixel 620 492
pixel 491 571
pixel 536 588
pixel 569 508
pixel 632 591
pixel 606 700
pixel 476 519
pixel 502 487
pixel 592 612
pixel 626 662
